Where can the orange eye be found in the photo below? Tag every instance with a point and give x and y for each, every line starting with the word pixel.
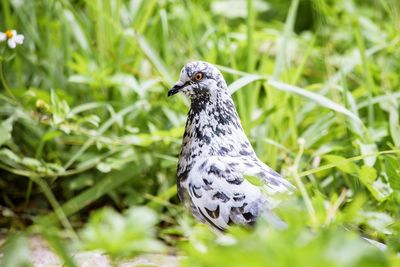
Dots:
pixel 198 76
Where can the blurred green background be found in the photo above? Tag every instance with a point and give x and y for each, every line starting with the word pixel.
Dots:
pixel 86 124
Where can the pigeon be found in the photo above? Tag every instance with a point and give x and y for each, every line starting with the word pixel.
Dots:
pixel 216 158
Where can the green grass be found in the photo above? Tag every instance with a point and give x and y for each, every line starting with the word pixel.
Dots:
pixel 85 122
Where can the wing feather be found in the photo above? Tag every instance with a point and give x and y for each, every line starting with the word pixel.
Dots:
pixel 221 195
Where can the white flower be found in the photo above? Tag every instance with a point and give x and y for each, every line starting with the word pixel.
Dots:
pixel 12 38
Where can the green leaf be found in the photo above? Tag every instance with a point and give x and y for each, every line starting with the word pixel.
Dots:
pixel 59 108
pixel 392 167
pixel 50 135
pixel 368 149
pixel 16 252
pixel 8 155
pixel 254 180
pixel 345 165
pixel 106 185
pixel 378 188
pixel 122 235
pixel 367 175
pixel 392 107
pixel 5 130
pixel 379 221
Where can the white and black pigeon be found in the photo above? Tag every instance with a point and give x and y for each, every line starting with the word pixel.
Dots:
pixel 216 156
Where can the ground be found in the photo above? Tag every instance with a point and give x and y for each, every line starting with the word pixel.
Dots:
pixel 43 256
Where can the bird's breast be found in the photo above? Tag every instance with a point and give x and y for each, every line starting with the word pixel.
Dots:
pixel 206 142
pixel 213 130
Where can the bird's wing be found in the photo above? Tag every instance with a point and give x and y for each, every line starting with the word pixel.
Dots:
pixel 221 194
pixel 253 167
pixel 274 182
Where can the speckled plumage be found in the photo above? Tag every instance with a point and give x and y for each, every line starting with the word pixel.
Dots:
pixel 216 155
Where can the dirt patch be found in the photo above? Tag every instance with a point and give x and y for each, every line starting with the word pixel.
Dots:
pixel 43 256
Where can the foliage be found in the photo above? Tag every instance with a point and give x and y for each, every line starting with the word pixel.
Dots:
pixel 120 236
pixel 16 252
pixel 295 246
pixel 85 121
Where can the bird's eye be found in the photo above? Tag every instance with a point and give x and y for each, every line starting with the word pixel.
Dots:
pixel 198 76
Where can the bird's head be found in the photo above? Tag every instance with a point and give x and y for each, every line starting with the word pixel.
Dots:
pixel 199 80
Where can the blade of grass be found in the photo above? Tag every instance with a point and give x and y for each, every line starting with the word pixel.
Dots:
pixel 57 210
pixel 394 126
pixel 101 130
pixel 366 69
pixel 242 82
pixel 57 244
pixel 307 200
pixel 319 99
pixel 6 13
pixel 251 19
pixel 162 199
pixel 146 16
pixel 379 99
pixel 252 95
pixel 154 58
pixel 348 68
pixel 281 59
pixel 303 62
pixel 89 106
pixel 107 184
pixel 134 38
pixel 341 162
pixel 238 72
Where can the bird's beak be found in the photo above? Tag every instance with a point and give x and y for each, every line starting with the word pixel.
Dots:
pixel 176 88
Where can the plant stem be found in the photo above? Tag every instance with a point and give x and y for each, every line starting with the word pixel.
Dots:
pixel 251 17
pixel 56 206
pixel 300 185
pixel 4 82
